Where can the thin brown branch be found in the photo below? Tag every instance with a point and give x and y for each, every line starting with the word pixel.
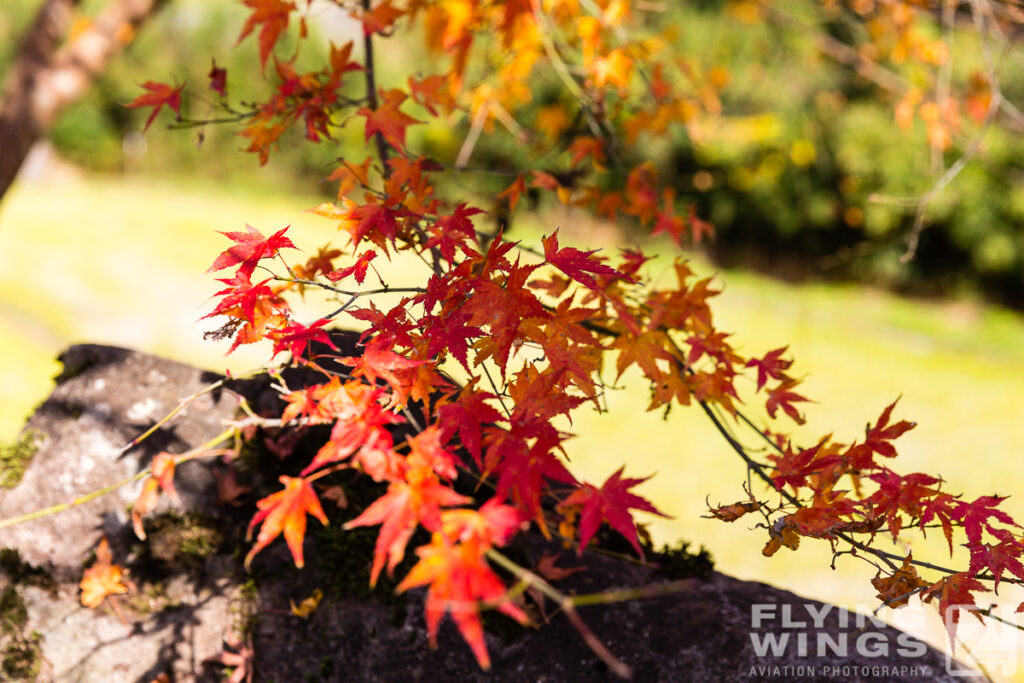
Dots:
pixel 844 54
pixel 47 77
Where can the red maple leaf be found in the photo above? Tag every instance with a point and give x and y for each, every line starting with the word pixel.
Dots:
pixel 468 414
pixel 285 511
pixel 792 468
pixel 698 226
pixel 400 510
pixel 975 518
pixel 449 232
pixel 611 503
pixel 378 361
pixel 998 559
pixel 273 15
pixel 159 94
pixel 524 470
pixel 376 222
pixel 358 269
pixel 388 120
pixel 296 337
pixel 954 593
pixel 579 265
pixel 459 580
pixel 879 436
pixel 897 494
pixel 450 334
pixel 877 440
pixel 782 397
pixel 772 365
pixel 240 297
pixel 218 79
pixel 669 222
pixel 503 306
pixel 249 248
pixel 940 507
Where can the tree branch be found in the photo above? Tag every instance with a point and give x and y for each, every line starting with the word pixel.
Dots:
pixel 46 77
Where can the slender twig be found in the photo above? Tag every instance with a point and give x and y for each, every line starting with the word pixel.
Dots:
pixel 871 70
pixel 182 404
pixel 371 90
pixel 953 171
pixel 472 137
pixel 200 451
pixel 568 606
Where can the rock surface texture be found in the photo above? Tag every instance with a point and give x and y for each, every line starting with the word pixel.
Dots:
pixel 191 595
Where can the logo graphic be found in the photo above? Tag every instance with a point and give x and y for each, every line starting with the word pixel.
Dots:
pixel 987 640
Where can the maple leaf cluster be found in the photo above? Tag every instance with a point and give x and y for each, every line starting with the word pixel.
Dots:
pixel 488 311
pixel 485 361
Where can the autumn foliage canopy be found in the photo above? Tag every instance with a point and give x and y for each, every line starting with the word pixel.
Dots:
pixel 483 360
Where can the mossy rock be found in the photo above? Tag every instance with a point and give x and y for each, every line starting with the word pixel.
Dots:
pixel 15 458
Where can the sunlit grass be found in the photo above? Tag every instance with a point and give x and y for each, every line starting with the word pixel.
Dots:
pixel 119 262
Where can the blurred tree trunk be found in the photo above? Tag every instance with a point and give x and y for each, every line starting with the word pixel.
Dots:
pixel 49 74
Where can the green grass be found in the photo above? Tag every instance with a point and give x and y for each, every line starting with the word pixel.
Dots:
pixel 121 262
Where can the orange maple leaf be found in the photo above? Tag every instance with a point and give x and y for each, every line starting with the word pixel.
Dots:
pixel 513 192
pixel 388 120
pixel 159 94
pixel 381 18
pixel 103 578
pixel 273 15
pixel 286 511
pixel 161 477
pixel 350 176
pixel 432 92
pixel 460 580
pixel 400 510
pixel 895 590
pixel 378 361
pixel 730 513
pixel 615 69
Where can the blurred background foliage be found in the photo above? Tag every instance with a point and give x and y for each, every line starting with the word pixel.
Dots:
pixel 788 173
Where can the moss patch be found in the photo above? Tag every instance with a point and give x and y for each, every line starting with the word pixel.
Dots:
pixel 181 540
pixel 15 457
pixel 19 652
pixel 679 562
pixel 21 573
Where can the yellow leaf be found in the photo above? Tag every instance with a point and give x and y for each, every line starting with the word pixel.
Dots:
pixel 103 578
pixel 309 605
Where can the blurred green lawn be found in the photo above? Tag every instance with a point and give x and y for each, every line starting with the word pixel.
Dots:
pixel 121 262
